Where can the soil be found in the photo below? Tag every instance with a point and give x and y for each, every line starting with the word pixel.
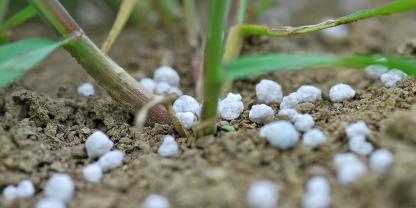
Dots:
pixel 44 124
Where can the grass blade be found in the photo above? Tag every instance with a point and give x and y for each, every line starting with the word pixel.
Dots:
pixel 19 18
pixel 19 57
pixel 394 7
pixel 4 5
pixel 256 65
pixel 123 15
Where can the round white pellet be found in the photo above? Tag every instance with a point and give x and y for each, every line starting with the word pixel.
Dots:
pixel 336 33
pixel 309 94
pixel 318 184
pixel 162 88
pixel 374 72
pixel 341 92
pixel 92 173
pixel 358 128
pixel 290 113
pixel 61 187
pixel 50 203
pixel 341 159
pixel 175 90
pixel 187 119
pixel 98 144
pixel 280 134
pixel 291 101
pixel 231 107
pixel 186 103
pixel 268 91
pixel 169 147
pixel 391 77
pixel 86 89
pixel 167 74
pixel 148 84
pixel 304 122
pixel 350 172
pixel 263 194
pixel 260 113
pixel 156 201
pixel 381 160
pixel 313 138
pixel 25 189
pixel 316 200
pixel 111 160
pixel 360 146
pixel 10 192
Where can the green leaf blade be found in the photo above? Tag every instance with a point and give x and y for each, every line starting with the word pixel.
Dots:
pixel 19 18
pixel 19 57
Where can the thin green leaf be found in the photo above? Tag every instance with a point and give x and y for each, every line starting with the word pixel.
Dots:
pixel 19 18
pixel 4 5
pixel 256 65
pixel 17 58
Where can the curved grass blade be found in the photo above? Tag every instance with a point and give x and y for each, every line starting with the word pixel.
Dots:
pixel 19 18
pixel 394 7
pixel 19 57
pixel 4 5
pixel 123 15
pixel 256 65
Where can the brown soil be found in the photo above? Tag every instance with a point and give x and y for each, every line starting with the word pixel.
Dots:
pixel 44 123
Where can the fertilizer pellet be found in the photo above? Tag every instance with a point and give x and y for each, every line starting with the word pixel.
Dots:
pixel 374 72
pixel 162 88
pixel 148 84
pixel 313 138
pixel 98 144
pixel 25 189
pixel 60 187
pixel 111 160
pixel 86 89
pixel 381 160
pixel 186 103
pixel 92 173
pixel 309 94
pixel 304 122
pixel 291 101
pixel 289 113
pixel 360 146
pixel 10 192
pixel 268 91
pixel 260 113
pixel 50 203
pixel 349 168
pixel 168 75
pixel 187 119
pixel 341 92
pixel 263 194
pixel 336 33
pixel 280 134
pixel 391 77
pixel 317 193
pixel 231 107
pixel 156 201
pixel 358 128
pixel 169 147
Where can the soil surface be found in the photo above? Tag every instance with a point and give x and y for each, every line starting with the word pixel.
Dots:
pixel 44 124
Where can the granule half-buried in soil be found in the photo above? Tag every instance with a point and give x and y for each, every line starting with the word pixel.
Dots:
pixel 44 124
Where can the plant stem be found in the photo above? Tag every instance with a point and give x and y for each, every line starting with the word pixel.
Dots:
pixel 4 5
pixel 191 22
pixel 118 83
pixel 218 13
pixel 123 15
pixel 242 11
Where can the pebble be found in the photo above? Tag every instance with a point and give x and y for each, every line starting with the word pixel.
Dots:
pixel 263 194
pixel 341 92
pixel 169 147
pixel 260 113
pixel 280 134
pixel 98 144
pixel 268 91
